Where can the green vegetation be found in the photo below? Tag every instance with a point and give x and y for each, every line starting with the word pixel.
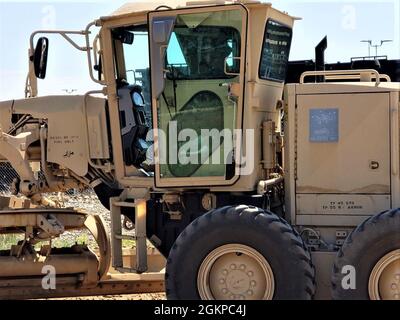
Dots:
pixel 7 240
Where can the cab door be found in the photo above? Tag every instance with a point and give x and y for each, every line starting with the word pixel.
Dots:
pixel 197 69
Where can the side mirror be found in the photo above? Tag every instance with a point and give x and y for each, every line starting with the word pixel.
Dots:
pixel 40 57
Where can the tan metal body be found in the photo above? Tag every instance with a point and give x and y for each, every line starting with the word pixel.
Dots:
pixel 340 152
pixel 342 182
pixel 67 135
pixel 77 130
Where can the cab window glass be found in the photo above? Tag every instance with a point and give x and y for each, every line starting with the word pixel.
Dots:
pixel 203 51
pixel 275 51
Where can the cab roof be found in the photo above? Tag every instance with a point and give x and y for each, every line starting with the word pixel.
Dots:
pixel 141 7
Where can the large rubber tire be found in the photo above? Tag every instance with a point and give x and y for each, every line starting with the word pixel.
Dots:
pixel 364 247
pixel 265 232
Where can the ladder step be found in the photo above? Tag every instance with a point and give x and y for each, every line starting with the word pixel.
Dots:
pixel 124 204
pixel 126 270
pixel 124 237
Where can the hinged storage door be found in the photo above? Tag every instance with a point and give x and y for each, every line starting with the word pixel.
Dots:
pixel 343 154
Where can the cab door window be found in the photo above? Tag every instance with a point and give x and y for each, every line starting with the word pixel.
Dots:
pixel 202 62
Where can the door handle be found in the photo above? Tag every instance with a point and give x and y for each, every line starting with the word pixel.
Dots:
pixel 374 165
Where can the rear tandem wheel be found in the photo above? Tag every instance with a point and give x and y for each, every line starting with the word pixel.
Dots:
pixel 373 250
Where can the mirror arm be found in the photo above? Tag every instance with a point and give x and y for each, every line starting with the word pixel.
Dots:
pixel 73 43
pixel 64 34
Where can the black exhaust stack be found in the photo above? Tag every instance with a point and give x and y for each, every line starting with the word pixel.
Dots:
pixel 320 58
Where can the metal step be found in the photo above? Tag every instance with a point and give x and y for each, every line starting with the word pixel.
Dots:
pixel 140 234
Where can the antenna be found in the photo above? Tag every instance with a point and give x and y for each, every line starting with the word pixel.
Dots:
pixel 369 46
pixel 376 46
pixel 385 41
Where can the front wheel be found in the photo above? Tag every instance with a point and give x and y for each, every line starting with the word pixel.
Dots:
pixel 239 253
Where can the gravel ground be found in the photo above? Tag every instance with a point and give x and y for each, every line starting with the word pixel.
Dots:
pixel 143 296
pixel 89 202
pixel 86 200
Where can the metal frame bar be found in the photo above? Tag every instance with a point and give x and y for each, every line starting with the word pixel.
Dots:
pixel 66 287
pixel 343 73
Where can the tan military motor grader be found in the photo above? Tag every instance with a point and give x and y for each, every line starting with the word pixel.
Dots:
pixel 295 199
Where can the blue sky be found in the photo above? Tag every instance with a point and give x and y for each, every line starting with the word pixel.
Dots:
pixel 345 22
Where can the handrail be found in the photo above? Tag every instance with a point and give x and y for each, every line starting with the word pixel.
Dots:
pixel 342 73
pixel 89 52
pixel 382 77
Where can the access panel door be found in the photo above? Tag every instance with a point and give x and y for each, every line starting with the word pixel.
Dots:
pixel 343 153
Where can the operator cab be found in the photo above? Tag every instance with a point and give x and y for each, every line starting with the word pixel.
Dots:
pixel 200 65
pixel 189 80
pixel 133 84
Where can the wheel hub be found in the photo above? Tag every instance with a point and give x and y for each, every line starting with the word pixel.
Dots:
pixel 236 281
pixel 384 281
pixel 235 272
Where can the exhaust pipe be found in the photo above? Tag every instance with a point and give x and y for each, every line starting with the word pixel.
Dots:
pixel 320 58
